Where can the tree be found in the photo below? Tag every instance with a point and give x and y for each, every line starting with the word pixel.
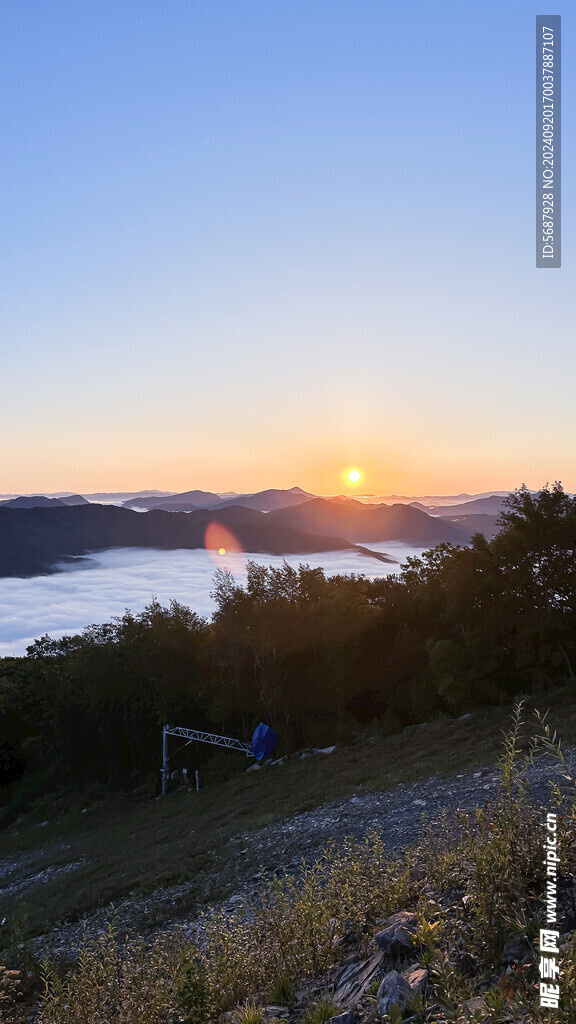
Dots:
pixel 536 548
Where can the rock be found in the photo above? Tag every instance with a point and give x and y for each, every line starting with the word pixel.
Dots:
pixel 325 750
pixel 348 939
pixel 349 1017
pixel 417 978
pixel 305 755
pixel 352 983
pixel 475 1004
pixel 394 991
pixel 516 950
pixel 465 963
pixel 276 1011
pixel 254 768
pixel 397 936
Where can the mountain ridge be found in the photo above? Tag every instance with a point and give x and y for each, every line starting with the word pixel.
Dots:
pixel 371 523
pixel 37 540
pixel 190 501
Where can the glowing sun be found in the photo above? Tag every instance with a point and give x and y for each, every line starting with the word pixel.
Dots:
pixel 353 476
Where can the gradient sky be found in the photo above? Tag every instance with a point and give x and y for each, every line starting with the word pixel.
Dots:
pixel 251 243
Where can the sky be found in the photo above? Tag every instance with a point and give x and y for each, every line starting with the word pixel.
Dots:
pixel 255 243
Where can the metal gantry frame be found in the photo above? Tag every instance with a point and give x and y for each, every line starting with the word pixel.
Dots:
pixel 198 736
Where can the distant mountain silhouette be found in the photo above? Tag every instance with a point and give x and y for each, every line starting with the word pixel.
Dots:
pixel 427 501
pixel 74 499
pixel 183 501
pixel 271 499
pixel 31 501
pixel 41 501
pixel 369 523
pixel 189 501
pixel 36 540
pixel 115 496
pixel 490 505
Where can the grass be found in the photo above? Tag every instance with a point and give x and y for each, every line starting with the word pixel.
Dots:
pixel 122 847
pixel 282 991
pixel 249 1014
pixel 320 1012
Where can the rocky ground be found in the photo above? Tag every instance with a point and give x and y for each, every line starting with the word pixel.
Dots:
pixel 397 814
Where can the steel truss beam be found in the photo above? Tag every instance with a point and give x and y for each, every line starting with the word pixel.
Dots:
pixel 200 737
pixel 207 737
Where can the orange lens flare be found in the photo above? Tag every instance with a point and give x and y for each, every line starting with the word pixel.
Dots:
pixel 222 545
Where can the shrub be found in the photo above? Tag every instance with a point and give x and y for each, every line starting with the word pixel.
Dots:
pixel 134 985
pixel 320 1012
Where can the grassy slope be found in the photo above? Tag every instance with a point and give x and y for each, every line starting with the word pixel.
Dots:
pixel 127 845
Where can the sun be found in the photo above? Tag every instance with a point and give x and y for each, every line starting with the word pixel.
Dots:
pixel 353 476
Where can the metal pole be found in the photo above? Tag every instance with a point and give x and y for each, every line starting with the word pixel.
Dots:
pixel 165 760
pixel 197 781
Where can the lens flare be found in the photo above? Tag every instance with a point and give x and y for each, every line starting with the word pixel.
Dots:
pixel 223 546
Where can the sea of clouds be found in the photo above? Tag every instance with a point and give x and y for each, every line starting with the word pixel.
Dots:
pixel 92 590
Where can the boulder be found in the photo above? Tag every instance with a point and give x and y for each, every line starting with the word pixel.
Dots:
pixel 394 991
pixel 417 978
pixel 516 950
pixel 477 1005
pixel 355 979
pixel 348 1017
pixel 397 936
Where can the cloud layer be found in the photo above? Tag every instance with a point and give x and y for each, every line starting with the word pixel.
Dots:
pixel 94 589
